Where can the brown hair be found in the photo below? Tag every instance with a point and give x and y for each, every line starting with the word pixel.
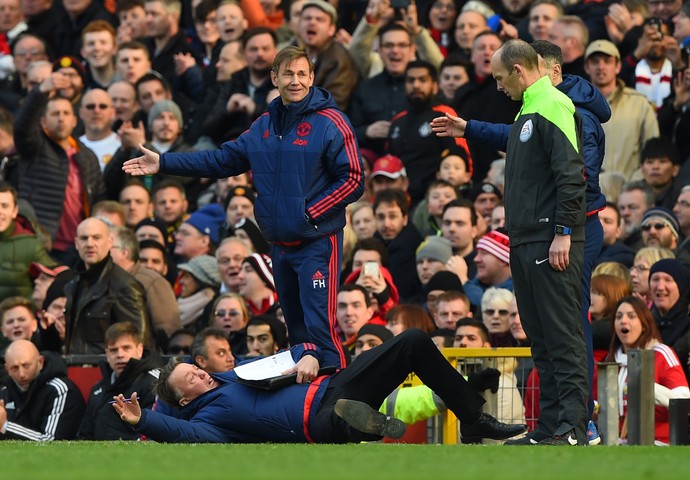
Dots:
pixel 613 288
pixel 411 316
pixel 649 328
pixel 120 329
pixel 97 26
pixel 289 55
pixel 13 302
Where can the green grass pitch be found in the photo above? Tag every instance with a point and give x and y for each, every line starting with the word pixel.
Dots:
pixel 148 460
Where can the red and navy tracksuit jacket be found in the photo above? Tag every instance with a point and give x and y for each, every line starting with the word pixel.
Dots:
pixel 307 168
pixel 236 413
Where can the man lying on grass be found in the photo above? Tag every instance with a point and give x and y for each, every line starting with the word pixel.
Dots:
pixel 329 409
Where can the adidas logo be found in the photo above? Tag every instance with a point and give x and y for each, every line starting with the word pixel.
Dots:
pixel 318 276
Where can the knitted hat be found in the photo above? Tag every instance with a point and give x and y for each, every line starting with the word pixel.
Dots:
pixel 208 220
pixel 67 61
pixel 479 7
pixel 672 267
pixel 263 266
pixel 156 223
pixel 665 215
pixel 388 166
pixel 204 268
pixel 324 7
pixel 444 280
pixel 485 187
pixel 57 288
pixel 254 234
pixel 242 191
pixel 497 244
pixel 376 330
pixel 35 269
pixel 165 106
pixel 435 248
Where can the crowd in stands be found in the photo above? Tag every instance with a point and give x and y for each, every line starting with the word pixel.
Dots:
pixel 96 262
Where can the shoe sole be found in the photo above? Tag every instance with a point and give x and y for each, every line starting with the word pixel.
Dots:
pixel 504 436
pixel 594 441
pixel 362 417
pixel 521 443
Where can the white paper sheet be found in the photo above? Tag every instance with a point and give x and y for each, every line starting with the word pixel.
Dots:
pixel 268 367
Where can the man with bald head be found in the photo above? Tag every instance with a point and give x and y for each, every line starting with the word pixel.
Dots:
pixel 98 114
pixel 37 401
pixel 101 295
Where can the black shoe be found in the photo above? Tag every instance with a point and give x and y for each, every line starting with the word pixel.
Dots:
pixel 487 426
pixel 362 417
pixel 532 438
pixel 567 439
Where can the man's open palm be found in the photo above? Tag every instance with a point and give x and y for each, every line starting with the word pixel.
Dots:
pixel 147 164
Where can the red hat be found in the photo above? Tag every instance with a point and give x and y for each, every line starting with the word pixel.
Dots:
pixel 497 244
pixel 35 269
pixel 389 166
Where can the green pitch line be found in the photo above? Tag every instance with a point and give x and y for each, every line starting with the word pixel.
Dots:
pixel 148 461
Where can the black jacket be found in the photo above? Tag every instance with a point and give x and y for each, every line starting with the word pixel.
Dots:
pixel 45 167
pixel 378 98
pixel 101 422
pixel 97 298
pixel 51 409
pixel 675 329
pixel 402 260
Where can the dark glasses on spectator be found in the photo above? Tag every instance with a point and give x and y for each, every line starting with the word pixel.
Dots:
pixel 92 106
pixel 655 226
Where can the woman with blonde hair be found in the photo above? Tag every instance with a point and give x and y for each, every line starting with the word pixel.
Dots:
pixel 639 272
pixel 230 314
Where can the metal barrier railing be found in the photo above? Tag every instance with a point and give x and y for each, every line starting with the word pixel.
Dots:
pixel 445 428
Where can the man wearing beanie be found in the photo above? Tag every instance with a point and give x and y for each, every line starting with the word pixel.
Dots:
pixel 660 228
pixel 248 231
pixel 432 255
pixel 493 266
pixel 370 336
pixel 200 233
pixel 165 124
pixel 441 282
pixel 306 167
pixel 75 72
pixel 256 283
pixel 668 285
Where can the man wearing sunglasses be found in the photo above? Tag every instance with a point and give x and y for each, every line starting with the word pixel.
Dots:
pixel 660 228
pixel 97 114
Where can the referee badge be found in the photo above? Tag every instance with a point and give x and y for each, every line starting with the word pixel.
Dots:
pixel 526 131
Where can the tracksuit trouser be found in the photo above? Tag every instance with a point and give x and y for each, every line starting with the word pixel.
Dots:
pixel 374 374
pixel 549 304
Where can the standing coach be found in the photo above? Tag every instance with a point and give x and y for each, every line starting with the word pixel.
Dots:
pixel 307 168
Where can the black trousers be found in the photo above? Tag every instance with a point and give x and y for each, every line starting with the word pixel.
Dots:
pixel 374 374
pixel 549 304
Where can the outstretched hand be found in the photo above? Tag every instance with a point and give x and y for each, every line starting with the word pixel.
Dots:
pixel 147 164
pixel 129 411
pixel 449 126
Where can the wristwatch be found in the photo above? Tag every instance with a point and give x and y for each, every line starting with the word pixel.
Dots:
pixel 562 230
